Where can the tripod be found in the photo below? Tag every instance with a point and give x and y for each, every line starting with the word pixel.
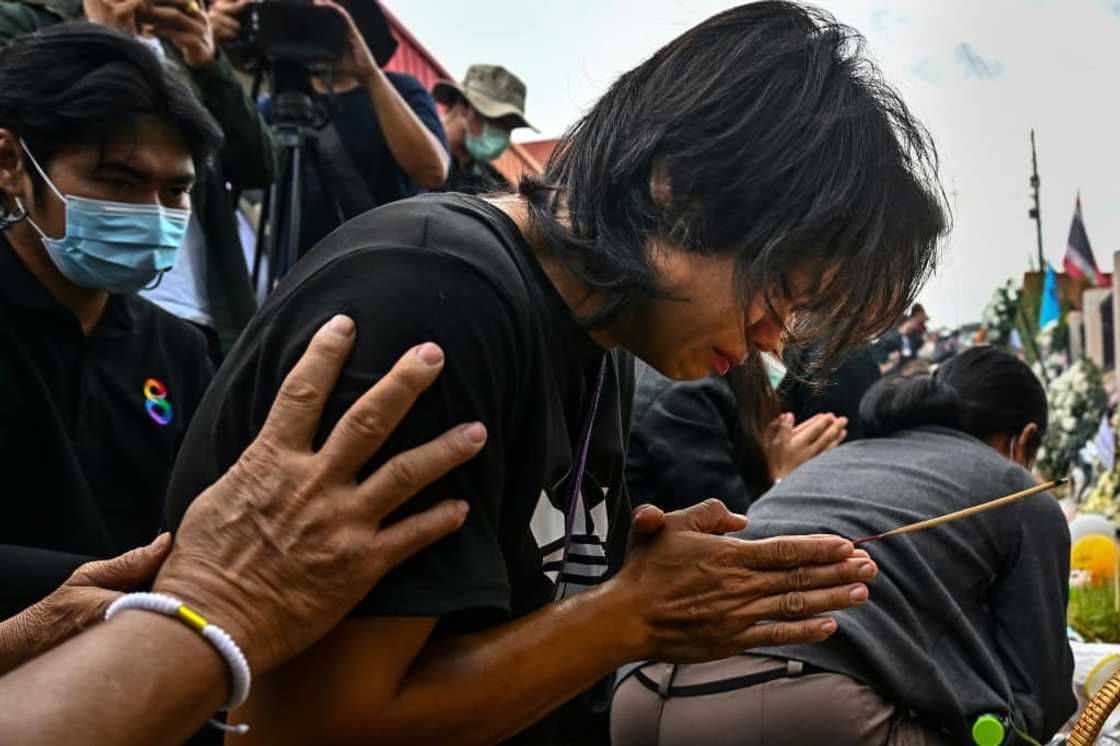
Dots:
pixel 294 117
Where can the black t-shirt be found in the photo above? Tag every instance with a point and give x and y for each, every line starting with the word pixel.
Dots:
pixel 454 270
pixel 89 427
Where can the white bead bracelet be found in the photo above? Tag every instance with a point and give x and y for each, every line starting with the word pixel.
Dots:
pixel 215 635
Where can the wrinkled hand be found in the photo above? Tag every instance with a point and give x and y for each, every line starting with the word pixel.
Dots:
pixel 78 603
pixel 790 446
pixel 185 24
pixel 287 541
pixel 696 596
pixel 224 21
pixel 357 60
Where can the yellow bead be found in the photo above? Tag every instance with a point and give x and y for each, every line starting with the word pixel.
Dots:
pixel 192 618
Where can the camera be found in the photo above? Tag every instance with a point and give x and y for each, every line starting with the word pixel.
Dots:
pixel 292 40
pixel 291 31
pixel 314 35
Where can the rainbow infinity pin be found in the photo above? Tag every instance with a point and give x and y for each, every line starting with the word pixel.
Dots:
pixel 159 409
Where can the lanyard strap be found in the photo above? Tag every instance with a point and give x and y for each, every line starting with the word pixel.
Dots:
pixel 585 445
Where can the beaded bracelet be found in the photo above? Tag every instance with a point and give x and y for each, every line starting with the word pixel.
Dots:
pixel 215 635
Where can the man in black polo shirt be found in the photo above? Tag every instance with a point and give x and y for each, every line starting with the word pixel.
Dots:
pixel 754 167
pixel 97 151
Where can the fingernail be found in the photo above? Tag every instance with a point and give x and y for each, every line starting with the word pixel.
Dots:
pixel 868 571
pixel 858 594
pixel 462 507
pixel 475 433
pixel 341 325
pixel 162 540
pixel 430 353
pixel 828 626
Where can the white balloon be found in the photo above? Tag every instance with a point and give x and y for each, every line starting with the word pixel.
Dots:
pixel 1091 523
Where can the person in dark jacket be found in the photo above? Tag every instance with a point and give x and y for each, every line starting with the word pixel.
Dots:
pixel 840 394
pixel 210 284
pixel 721 437
pixel 965 619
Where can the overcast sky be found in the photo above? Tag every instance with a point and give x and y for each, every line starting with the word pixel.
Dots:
pixel 979 73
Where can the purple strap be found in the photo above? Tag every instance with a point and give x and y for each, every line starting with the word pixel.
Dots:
pixel 581 465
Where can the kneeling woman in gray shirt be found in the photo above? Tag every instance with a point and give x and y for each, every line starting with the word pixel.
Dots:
pixel 964 619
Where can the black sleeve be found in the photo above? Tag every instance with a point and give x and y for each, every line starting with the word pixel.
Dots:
pixel 1029 611
pixel 681 448
pixel 28 575
pixel 248 151
pixel 398 299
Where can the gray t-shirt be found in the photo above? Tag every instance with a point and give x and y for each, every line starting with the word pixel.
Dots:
pixel 964 618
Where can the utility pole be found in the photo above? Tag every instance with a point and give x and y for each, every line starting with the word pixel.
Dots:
pixel 1036 211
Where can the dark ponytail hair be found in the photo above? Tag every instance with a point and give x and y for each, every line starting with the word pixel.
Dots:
pixel 982 391
pixel 758 404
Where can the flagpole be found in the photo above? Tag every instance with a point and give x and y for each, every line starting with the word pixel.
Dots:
pixel 1036 211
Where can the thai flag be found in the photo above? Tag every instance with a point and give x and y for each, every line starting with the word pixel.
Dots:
pixel 1079 261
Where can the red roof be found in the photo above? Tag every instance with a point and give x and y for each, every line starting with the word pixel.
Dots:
pixel 540 150
pixel 411 57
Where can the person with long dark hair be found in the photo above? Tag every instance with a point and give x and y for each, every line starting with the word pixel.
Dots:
pixel 966 619
pixel 729 191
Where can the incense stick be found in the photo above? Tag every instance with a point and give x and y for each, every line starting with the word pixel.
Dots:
pixel 957 515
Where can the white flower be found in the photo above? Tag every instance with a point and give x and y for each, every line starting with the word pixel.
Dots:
pixel 1080 578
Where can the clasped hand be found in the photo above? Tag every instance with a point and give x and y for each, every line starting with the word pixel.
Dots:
pixel 696 595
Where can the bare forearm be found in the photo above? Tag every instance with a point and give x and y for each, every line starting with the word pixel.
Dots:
pixel 471 689
pixel 415 149
pixel 140 679
pixel 484 688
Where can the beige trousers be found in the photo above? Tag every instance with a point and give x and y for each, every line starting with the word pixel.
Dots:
pixel 792 709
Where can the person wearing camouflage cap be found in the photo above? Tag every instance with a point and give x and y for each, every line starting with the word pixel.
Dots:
pixel 479 116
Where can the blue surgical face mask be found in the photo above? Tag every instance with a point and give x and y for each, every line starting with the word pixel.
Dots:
pixel 114 246
pixel 489 145
pixel 775 369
